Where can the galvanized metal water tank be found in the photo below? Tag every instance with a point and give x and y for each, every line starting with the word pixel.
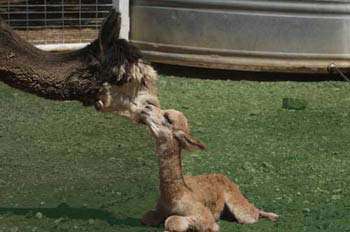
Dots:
pixel 255 35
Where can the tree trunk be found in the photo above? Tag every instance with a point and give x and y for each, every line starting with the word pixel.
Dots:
pixel 76 75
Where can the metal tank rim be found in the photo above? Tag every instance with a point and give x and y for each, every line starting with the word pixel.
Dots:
pixel 161 49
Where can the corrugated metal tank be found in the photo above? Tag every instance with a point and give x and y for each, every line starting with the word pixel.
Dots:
pixel 255 35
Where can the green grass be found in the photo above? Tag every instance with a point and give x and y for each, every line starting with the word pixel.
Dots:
pixel 87 171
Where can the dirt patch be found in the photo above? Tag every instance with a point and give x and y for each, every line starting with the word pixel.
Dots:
pixel 51 36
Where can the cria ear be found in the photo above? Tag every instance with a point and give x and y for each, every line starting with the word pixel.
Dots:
pixel 188 142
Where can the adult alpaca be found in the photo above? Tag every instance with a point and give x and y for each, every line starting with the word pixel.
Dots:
pixel 110 72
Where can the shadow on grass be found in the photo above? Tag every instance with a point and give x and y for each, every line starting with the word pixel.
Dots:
pixel 218 74
pixel 65 211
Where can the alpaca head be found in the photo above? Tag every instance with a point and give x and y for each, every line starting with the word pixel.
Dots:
pixel 128 97
pixel 127 80
pixel 170 125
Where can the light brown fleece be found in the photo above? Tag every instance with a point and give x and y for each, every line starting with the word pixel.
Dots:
pixel 191 202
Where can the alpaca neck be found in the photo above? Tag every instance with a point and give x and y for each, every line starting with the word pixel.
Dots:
pixel 170 171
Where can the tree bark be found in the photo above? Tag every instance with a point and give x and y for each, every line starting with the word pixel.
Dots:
pixel 76 75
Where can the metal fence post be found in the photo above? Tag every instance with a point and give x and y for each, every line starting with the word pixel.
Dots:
pixel 123 7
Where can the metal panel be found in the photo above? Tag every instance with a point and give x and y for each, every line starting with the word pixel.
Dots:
pixel 123 7
pixel 287 36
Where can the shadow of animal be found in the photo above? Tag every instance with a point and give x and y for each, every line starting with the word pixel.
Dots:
pixel 65 211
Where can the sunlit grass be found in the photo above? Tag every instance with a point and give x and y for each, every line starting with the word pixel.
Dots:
pixel 87 171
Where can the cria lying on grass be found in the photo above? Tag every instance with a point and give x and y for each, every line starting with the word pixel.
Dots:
pixel 191 202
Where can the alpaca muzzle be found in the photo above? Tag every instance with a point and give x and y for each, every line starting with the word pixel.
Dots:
pixel 99 105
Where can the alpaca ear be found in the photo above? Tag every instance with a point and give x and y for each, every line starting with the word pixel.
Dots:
pixel 188 142
pixel 110 30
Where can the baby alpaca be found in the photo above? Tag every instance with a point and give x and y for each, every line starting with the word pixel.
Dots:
pixel 191 202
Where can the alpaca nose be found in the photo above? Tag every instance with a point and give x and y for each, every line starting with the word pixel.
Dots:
pixel 99 105
pixel 147 109
pixel 145 112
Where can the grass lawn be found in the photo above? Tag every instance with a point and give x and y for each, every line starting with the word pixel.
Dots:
pixel 65 167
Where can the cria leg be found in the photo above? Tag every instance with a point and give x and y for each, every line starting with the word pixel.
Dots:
pixel 177 224
pixel 200 219
pixel 271 216
pixel 190 223
pixel 243 211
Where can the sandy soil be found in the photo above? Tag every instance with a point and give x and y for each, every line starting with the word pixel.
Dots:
pixel 49 36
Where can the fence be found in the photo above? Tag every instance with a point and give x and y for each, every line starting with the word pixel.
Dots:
pixel 58 24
